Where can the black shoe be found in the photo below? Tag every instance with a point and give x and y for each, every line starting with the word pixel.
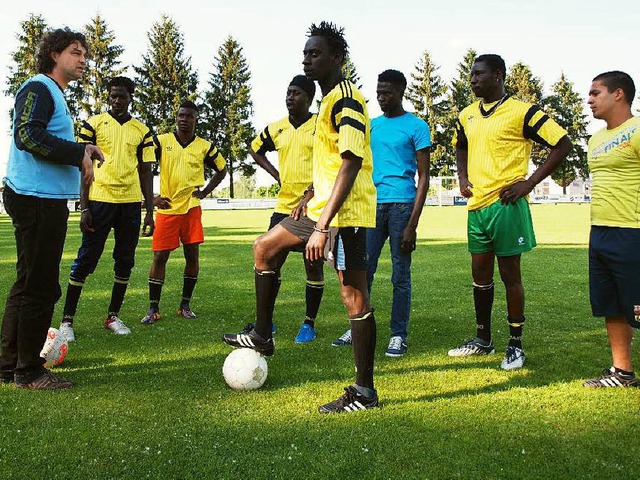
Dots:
pixel 351 401
pixel 611 378
pixel 250 326
pixel 250 340
pixel 6 378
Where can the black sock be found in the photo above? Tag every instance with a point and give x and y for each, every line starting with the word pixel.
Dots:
pixel 309 321
pixel 71 301
pixel 363 334
pixel 266 285
pixel 624 372
pixel 483 301
pixel 188 284
pixel 155 292
pixel 117 294
pixel 313 294
pixel 515 331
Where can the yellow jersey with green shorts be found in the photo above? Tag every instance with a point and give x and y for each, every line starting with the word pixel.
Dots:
pixel 295 151
pixel 498 139
pixel 614 240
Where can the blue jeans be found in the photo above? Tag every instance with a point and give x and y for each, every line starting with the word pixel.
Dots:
pixel 391 220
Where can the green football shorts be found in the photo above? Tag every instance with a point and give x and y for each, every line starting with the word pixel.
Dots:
pixel 504 229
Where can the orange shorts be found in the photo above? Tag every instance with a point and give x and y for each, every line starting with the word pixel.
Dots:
pixel 172 229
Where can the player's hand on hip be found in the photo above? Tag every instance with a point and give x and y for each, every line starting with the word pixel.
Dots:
pixel 314 250
pixel 514 192
pixel 198 194
pixel 161 202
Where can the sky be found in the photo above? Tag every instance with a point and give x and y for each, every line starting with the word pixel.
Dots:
pixel 579 38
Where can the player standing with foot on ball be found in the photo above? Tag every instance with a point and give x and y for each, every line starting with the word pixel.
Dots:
pixel 614 243
pixel 343 197
pixel 182 156
pixel 292 138
pixel 494 140
pixel 43 172
pixel 113 202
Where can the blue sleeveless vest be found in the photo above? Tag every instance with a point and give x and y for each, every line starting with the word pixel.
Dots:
pixel 28 174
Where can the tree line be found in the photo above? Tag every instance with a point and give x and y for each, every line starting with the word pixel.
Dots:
pixel 165 76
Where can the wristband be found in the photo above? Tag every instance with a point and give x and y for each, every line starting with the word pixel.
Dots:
pixel 320 230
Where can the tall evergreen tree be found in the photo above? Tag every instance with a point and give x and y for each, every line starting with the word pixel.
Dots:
pixel 566 106
pixel 229 109
pixel 459 97
pixel 24 57
pixel 102 64
pixel 165 77
pixel 427 92
pixel 350 72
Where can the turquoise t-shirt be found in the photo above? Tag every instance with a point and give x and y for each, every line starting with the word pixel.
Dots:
pixel 394 143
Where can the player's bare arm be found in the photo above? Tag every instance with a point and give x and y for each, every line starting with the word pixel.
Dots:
pixel 213 183
pixel 347 174
pixel 462 157
pixel 264 162
pixel 515 191
pixel 409 235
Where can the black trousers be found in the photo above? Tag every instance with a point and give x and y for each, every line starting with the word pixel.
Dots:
pixel 40 226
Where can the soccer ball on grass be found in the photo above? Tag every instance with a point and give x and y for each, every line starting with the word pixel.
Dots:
pixel 55 348
pixel 245 369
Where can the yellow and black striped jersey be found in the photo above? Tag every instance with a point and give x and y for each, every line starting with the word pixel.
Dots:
pixel 182 169
pixel 343 125
pixel 123 145
pixel 295 155
pixel 499 145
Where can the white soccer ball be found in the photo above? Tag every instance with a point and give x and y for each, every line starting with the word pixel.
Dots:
pixel 55 348
pixel 245 369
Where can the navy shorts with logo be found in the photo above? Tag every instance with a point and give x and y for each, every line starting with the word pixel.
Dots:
pixel 614 273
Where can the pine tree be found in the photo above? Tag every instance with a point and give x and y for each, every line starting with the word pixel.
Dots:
pixel 350 72
pixel 566 106
pixel 164 78
pixel 229 108
pixel 427 92
pixel 460 96
pixel 24 57
pixel 102 65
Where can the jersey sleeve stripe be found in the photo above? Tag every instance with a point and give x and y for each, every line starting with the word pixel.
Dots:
pixel 353 123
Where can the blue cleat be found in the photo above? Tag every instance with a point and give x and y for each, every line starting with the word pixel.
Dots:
pixel 306 334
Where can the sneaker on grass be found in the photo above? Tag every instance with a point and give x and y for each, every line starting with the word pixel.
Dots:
pixel 351 401
pixel 116 325
pixel 513 358
pixel 66 329
pixel 250 340
pixel 472 347
pixel 306 334
pixel 150 318
pixel 186 312
pixel 397 347
pixel 46 381
pixel 611 378
pixel 344 339
pixel 250 326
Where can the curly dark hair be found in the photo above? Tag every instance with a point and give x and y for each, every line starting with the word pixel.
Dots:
pixel 188 104
pixel 495 63
pixel 125 82
pixel 334 36
pixel 394 77
pixel 56 41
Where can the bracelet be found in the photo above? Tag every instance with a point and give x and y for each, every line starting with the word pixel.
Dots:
pixel 320 230
pixel 84 210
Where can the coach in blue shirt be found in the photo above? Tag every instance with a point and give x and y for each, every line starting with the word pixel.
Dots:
pixel 400 144
pixel 43 171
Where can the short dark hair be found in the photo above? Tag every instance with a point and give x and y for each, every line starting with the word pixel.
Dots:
pixel 334 36
pixel 616 79
pixel 188 104
pixel 125 82
pixel 394 77
pixel 495 63
pixel 56 41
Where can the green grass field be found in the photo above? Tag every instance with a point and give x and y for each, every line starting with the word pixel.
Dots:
pixel 154 404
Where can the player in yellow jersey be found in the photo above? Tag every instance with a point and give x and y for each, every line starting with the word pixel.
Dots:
pixel 614 243
pixel 494 140
pixel 343 199
pixel 182 157
pixel 292 138
pixel 113 201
